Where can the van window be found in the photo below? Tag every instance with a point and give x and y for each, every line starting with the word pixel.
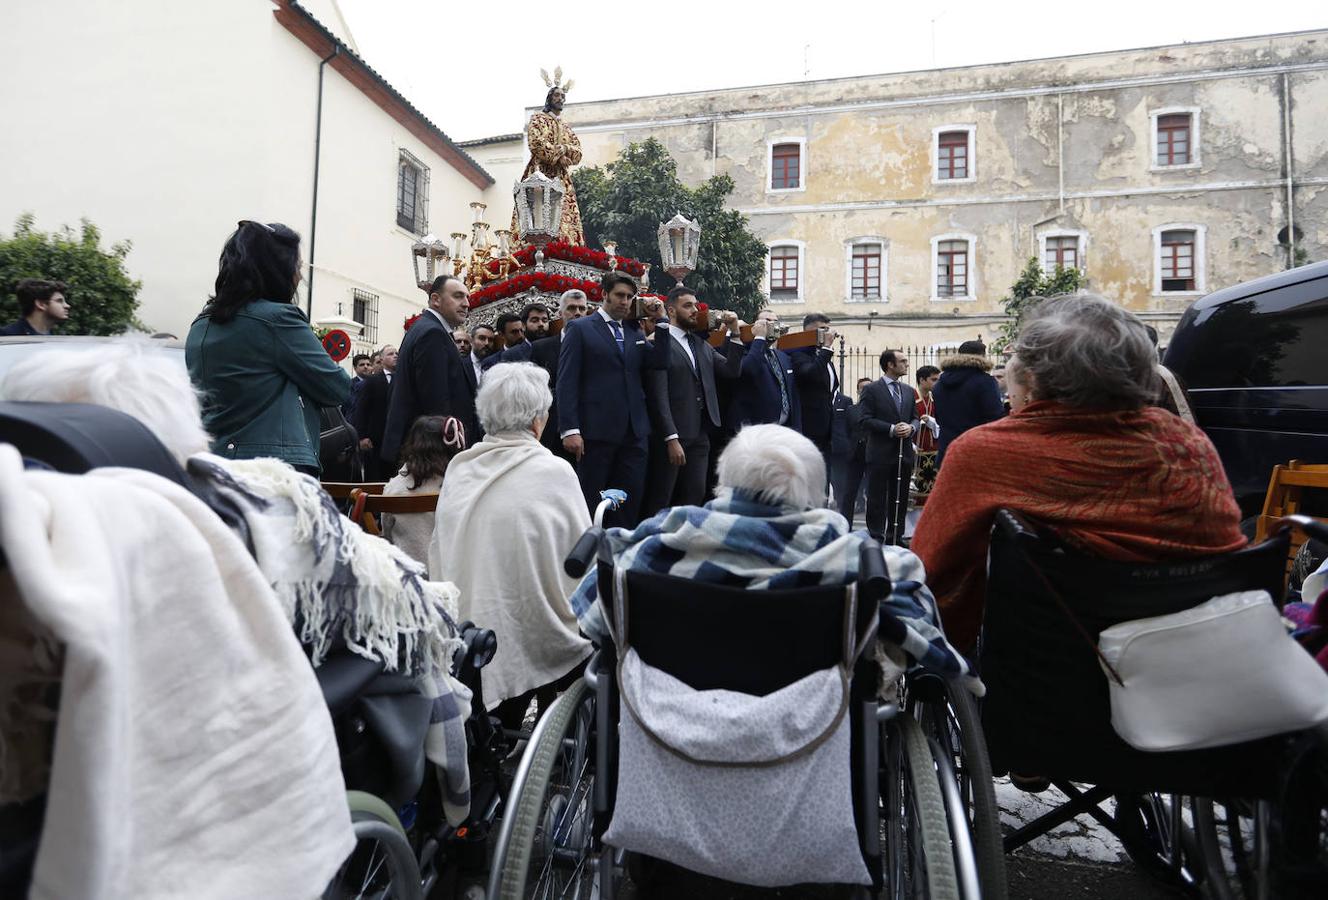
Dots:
pixel 1275 340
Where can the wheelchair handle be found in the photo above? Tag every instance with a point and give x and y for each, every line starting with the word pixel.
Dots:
pixel 583 554
pixel 480 644
pixel 873 579
pixel 1312 527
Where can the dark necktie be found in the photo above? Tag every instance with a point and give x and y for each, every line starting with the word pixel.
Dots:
pixel 899 402
pixel 617 334
pixel 779 380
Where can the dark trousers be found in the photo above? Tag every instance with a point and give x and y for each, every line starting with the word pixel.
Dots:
pixel 846 474
pixel 512 711
pixel 609 465
pixel 887 499
pixel 823 445
pixel 669 485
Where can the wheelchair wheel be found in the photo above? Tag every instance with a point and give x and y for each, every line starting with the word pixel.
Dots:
pixel 382 865
pixel 1156 835
pixel 546 847
pixel 950 717
pixel 919 854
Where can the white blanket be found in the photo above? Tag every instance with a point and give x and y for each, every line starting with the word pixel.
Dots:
pixel 508 514
pixel 194 756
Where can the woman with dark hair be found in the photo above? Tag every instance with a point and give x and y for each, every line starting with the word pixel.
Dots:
pixel 430 444
pixel 262 371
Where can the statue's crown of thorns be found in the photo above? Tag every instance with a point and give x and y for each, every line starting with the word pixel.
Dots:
pixel 556 81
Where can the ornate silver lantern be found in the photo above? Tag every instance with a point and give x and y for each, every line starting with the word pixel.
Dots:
pixel 429 257
pixel 679 244
pixel 539 212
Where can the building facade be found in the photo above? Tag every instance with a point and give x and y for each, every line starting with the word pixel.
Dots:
pixel 167 125
pixel 910 202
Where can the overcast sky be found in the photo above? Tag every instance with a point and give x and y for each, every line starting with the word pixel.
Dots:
pixel 473 67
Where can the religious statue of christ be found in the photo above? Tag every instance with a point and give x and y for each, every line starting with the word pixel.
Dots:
pixel 554 149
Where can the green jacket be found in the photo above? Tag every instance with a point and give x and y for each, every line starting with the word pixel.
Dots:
pixel 263 376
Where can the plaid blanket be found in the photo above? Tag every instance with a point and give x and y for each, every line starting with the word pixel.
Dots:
pixel 736 540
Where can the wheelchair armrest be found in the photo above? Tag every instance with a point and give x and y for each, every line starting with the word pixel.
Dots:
pixel 873 578
pixel 343 678
pixel 579 560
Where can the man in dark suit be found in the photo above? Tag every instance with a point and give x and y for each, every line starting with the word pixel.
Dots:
pixel 684 404
pixel 767 393
pixel 534 327
pixel 512 330
pixel 572 305
pixel 369 417
pixel 602 416
pixel 431 377
pixel 889 416
pixel 818 383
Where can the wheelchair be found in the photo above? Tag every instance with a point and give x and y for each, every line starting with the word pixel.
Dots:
pixel 404 847
pixel 912 826
pixel 1245 820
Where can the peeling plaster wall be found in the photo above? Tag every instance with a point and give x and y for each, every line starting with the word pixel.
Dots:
pixel 1060 144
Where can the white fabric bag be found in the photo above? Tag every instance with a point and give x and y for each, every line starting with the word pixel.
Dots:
pixel 1223 672
pixel 751 789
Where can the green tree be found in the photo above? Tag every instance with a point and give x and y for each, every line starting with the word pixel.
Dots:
pixel 628 199
pixel 1032 285
pixel 102 295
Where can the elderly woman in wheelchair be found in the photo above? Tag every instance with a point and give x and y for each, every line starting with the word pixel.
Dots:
pixel 396 670
pixel 1129 641
pixel 747 716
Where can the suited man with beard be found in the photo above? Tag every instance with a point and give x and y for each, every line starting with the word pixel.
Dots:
pixel 432 379
pixel 684 405
pixel 888 415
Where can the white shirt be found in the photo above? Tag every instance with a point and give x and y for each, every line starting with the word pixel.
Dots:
pixel 439 316
pixel 680 336
pixel 475 361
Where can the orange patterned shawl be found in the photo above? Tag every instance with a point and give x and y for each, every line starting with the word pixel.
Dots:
pixel 1138 485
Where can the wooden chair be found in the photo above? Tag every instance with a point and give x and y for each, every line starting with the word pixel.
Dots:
pixel 365 506
pixel 341 490
pixel 1286 493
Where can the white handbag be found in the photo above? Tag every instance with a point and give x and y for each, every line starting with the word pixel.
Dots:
pixel 1220 673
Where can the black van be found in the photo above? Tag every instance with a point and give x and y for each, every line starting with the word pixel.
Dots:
pixel 1255 360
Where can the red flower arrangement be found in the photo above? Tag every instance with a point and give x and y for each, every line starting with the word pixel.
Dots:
pixel 410 320
pixel 564 251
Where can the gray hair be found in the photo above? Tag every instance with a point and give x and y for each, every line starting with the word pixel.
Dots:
pixel 573 294
pixel 1085 351
pixel 512 397
pixel 777 464
pixel 134 375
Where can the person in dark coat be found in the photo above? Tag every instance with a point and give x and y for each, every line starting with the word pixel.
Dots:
pixel 369 417
pixel 602 416
pixel 431 378
pixel 767 392
pixel 818 384
pixel 572 305
pixel 966 395
pixel 42 306
pixel 848 452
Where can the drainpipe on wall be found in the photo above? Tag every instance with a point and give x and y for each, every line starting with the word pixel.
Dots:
pixel 1290 162
pixel 313 214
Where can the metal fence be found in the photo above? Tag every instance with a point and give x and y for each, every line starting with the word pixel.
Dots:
pixel 865 362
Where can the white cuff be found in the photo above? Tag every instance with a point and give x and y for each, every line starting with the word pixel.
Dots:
pixel 568 433
pixel 672 437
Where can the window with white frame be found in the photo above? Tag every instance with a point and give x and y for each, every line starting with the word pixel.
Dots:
pixel 787 164
pixel 1178 259
pixel 952 267
pixel 1175 138
pixel 866 269
pixel 1062 250
pixel 412 193
pixel 785 272
pixel 952 153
